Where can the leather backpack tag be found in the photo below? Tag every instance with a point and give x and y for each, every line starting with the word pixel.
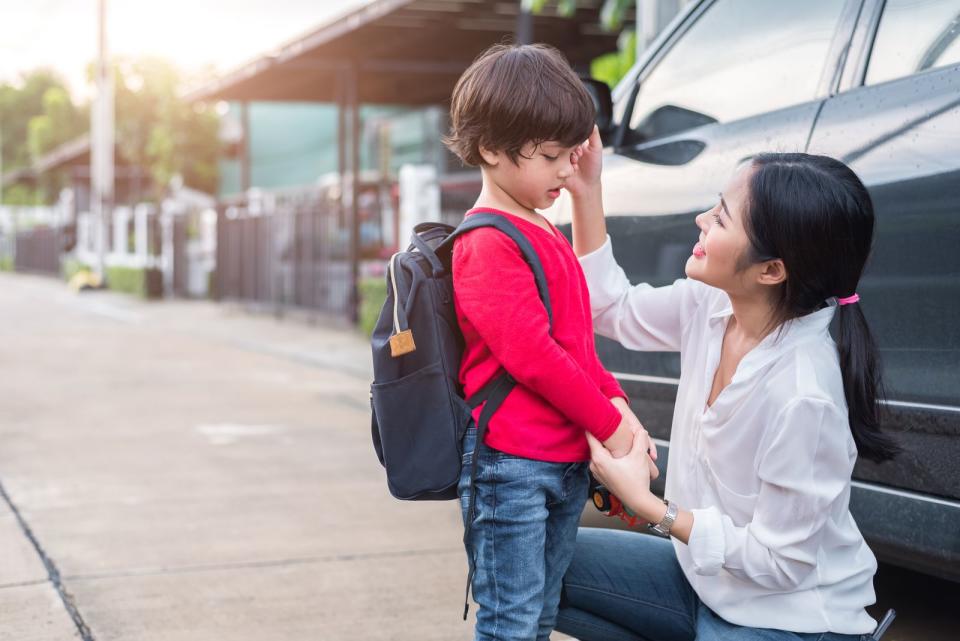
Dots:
pixel 402 343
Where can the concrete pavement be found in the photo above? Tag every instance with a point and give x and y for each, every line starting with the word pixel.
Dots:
pixel 187 471
pixel 191 472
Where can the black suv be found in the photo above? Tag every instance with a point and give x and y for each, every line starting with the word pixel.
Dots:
pixel 875 84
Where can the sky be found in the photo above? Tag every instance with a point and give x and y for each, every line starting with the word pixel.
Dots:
pixel 62 34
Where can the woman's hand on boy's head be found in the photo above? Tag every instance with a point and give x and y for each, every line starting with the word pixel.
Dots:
pixel 587 161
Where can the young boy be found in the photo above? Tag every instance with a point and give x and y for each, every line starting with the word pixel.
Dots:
pixel 520 113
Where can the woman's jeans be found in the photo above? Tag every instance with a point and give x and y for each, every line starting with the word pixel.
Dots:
pixel 628 586
pixel 522 539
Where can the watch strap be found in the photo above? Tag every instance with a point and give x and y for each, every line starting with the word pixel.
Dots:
pixel 666 523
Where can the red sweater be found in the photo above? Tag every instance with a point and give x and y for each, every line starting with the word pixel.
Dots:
pixel 562 387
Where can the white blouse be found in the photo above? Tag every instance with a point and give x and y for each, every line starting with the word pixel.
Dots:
pixel 765 470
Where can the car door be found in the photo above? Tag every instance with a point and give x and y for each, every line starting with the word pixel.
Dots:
pixel 730 79
pixel 896 122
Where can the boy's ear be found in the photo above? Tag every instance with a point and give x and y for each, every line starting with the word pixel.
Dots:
pixel 491 158
pixel 773 272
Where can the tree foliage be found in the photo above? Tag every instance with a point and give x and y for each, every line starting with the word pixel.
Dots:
pixel 155 129
pixel 36 114
pixel 59 122
pixel 19 102
pixel 613 66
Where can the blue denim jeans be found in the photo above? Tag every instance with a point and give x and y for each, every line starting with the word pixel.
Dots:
pixel 628 586
pixel 522 539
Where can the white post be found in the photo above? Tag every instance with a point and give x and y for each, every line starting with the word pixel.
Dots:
pixel 208 244
pixel 166 244
pixel 141 227
pixel 121 227
pixel 652 17
pixel 101 143
pixel 419 199
pixel 82 251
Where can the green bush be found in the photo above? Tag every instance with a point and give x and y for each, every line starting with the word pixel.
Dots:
pixel 373 292
pixel 212 292
pixel 71 267
pixel 139 281
pixel 6 263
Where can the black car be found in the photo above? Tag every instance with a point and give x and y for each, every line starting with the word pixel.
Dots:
pixel 876 84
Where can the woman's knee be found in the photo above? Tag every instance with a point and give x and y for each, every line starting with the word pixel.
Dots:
pixel 631 580
pixel 631 551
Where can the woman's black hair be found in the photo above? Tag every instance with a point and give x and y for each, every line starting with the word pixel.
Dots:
pixel 814 214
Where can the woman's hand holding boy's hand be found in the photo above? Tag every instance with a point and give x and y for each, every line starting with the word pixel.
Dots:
pixel 633 423
pixel 628 477
pixel 621 440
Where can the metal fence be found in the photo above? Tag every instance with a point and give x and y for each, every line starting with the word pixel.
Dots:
pixel 285 249
pixel 38 251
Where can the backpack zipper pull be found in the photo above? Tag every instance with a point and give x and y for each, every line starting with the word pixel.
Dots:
pixel 401 342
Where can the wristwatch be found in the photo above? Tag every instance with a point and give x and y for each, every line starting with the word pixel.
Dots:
pixel 663 527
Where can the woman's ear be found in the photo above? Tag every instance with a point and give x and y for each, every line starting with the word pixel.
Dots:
pixel 773 272
pixel 490 158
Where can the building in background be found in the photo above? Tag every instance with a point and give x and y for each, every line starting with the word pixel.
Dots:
pixel 316 137
pixel 320 129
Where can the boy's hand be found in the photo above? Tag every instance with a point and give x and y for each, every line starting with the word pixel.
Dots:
pixel 633 424
pixel 587 161
pixel 627 477
pixel 621 440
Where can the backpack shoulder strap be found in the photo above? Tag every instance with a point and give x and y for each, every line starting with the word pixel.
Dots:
pixel 497 389
pixel 481 219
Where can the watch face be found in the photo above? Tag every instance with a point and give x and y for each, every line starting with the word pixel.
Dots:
pixel 663 527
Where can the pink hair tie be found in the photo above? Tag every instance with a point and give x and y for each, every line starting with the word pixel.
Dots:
pixel 849 299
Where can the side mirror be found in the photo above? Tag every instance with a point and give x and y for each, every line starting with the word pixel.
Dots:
pixel 603 101
pixel 671 154
pixel 669 120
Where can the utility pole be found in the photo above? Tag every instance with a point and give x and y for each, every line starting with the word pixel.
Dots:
pixel 523 32
pixel 102 143
pixel 3 224
pixel 11 242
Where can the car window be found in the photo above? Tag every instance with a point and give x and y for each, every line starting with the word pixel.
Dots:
pixel 913 36
pixel 740 58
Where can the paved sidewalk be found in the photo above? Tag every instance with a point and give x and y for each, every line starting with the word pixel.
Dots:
pixel 186 471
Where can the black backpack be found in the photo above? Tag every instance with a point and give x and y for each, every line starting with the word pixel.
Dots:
pixel 419 412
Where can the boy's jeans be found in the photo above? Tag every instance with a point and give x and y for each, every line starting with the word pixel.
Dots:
pixel 523 537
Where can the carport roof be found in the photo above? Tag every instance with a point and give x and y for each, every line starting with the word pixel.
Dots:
pixel 72 155
pixel 403 51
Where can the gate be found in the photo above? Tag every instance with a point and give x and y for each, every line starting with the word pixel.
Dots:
pixel 38 251
pixel 288 249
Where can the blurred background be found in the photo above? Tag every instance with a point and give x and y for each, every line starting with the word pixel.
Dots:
pixel 214 121
pixel 197 201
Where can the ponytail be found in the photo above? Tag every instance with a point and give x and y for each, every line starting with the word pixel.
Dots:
pixel 815 214
pixel 862 384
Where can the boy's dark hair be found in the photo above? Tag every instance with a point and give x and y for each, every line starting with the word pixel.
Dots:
pixel 515 94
